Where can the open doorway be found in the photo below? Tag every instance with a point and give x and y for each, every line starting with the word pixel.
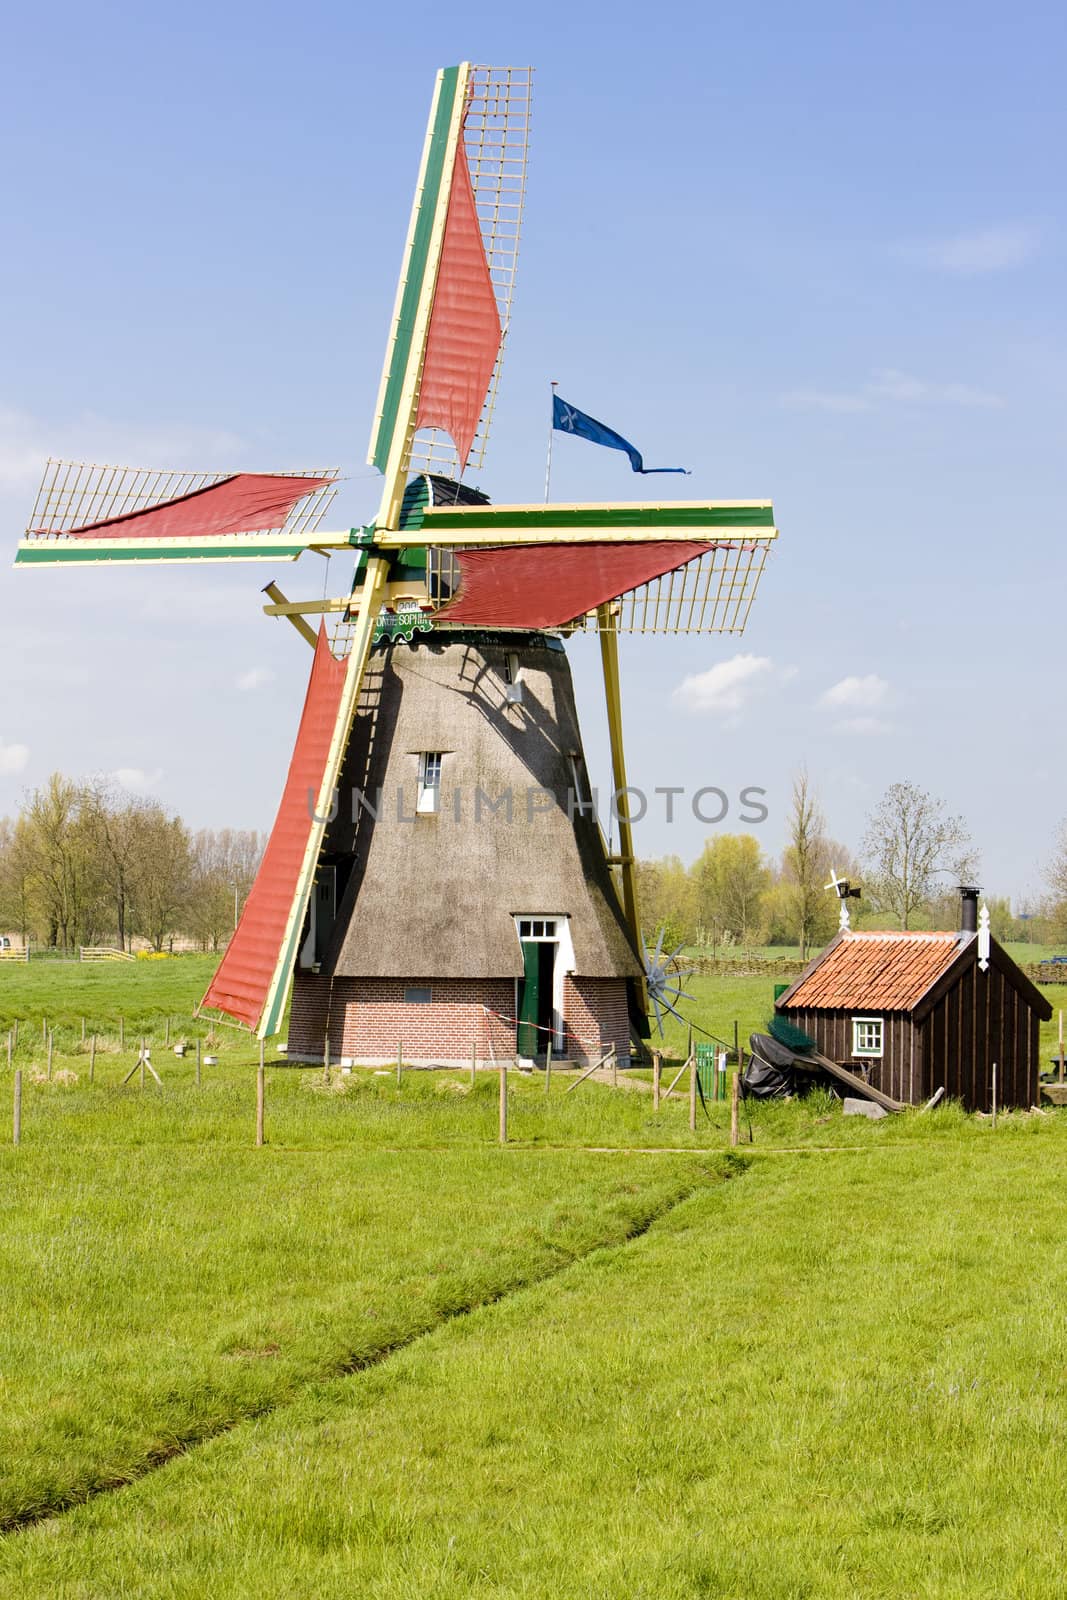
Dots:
pixel 545 943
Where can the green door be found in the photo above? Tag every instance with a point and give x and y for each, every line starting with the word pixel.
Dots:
pixel 529 999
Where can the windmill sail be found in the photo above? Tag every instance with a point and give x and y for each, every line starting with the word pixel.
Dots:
pixel 453 302
pixel 86 513
pixel 242 982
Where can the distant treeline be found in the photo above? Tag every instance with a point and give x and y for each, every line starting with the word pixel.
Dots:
pixel 911 861
pixel 86 864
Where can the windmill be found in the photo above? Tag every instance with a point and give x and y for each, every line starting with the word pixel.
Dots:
pixel 441 667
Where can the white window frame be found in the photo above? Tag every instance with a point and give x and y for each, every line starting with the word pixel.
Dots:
pixel 869 1051
pixel 428 802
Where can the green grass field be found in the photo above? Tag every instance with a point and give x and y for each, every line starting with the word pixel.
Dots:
pixel 384 1356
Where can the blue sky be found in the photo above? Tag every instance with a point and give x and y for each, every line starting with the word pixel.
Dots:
pixel 815 253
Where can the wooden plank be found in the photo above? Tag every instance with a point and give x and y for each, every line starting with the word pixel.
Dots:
pixel 851 1082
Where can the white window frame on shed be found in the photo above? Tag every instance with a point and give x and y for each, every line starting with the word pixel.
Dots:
pixel 428 801
pixel 868 1050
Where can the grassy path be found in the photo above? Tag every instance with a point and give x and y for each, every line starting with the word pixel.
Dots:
pixel 151 1303
pixel 830 1380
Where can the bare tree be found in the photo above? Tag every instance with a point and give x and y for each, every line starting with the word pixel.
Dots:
pixel 117 823
pixel 805 863
pixel 910 842
pixel 163 870
pixel 224 868
pixel 1056 877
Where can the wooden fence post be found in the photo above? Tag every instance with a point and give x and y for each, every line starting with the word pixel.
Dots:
pixel 735 1088
pixel 503 1102
pixel 17 1122
pixel 16 1032
pixel 657 1068
pixel 92 1057
pixel 692 1092
pixel 49 1052
pixel 260 1087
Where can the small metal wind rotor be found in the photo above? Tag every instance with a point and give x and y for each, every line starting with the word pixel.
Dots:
pixel 662 979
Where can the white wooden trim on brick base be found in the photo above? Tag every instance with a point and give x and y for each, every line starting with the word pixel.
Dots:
pixel 369 1020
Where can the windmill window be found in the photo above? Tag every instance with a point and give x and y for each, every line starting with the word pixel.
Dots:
pixel 511 667
pixel 867 1035
pixel 429 797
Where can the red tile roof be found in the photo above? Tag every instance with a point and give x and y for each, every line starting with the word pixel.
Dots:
pixel 876 971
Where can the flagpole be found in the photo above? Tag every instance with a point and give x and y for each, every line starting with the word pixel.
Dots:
pixel 551 425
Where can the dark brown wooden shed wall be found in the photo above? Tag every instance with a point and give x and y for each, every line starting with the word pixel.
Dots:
pixel 899 1071
pixel 983 1018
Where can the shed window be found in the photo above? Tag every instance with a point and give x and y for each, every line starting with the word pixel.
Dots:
pixel 429 799
pixel 866 1036
pixel 418 996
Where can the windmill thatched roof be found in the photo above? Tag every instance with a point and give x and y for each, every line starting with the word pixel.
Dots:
pixel 436 896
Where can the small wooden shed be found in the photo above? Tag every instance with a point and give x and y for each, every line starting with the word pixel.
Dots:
pixel 917 1011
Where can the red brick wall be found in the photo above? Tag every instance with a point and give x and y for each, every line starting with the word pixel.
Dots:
pixel 596 1008
pixel 368 1018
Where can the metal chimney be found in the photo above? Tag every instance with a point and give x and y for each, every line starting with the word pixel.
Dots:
pixel 969 908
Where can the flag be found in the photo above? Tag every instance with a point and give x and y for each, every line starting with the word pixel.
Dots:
pixel 568 419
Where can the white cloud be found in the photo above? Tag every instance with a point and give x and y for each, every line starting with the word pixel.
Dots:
pixel 987 250
pixel 136 779
pixel 726 686
pixel 856 693
pixel 255 678
pixel 13 757
pixel 863 725
pixel 825 400
pixel 890 386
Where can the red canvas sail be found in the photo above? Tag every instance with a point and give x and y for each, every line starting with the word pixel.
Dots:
pixel 545 586
pixel 242 981
pixel 247 502
pixel 464 335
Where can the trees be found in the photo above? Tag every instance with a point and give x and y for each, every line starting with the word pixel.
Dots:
pixel 64 882
pixel 910 842
pixel 85 863
pixel 163 868
pixel 730 879
pixel 1056 877
pixel 806 865
pixel 116 822
pixel 224 866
